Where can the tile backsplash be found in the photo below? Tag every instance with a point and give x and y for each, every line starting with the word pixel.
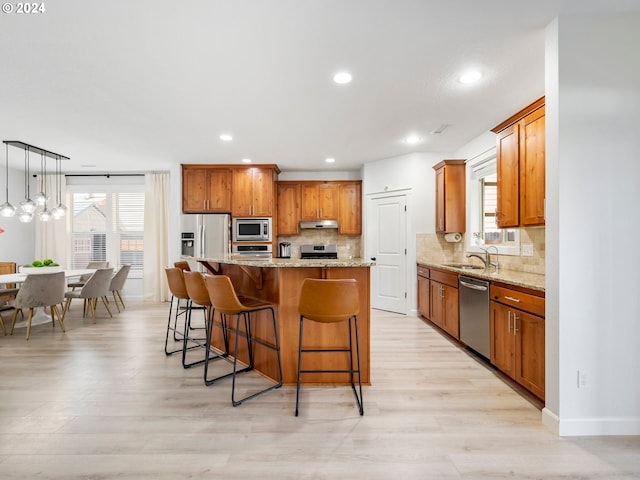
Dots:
pixel 432 248
pixel 349 246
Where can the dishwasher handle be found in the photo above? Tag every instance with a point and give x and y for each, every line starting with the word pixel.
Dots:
pixel 473 286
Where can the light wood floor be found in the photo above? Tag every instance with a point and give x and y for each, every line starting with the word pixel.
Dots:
pixel 102 401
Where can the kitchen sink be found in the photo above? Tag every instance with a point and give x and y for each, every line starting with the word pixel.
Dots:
pixel 464 266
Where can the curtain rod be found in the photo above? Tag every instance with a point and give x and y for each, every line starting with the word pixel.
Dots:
pixel 102 175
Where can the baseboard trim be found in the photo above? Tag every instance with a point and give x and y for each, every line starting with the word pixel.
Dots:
pixel 588 427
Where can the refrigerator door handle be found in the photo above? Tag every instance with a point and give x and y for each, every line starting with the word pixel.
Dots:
pixel 201 235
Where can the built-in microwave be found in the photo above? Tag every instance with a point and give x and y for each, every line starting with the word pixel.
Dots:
pixel 251 230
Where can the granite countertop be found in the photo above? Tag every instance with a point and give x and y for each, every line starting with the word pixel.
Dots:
pixel 533 281
pixel 287 262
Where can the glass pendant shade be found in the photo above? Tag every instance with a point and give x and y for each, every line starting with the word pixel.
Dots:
pixel 59 211
pixel 25 217
pixel 7 210
pixel 41 198
pixel 28 205
pixel 45 215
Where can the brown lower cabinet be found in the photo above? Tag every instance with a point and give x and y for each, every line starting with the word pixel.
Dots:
pixel 443 299
pixel 517 323
pixel 517 336
pixel 423 291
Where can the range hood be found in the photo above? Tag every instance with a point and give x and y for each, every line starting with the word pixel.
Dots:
pixel 317 224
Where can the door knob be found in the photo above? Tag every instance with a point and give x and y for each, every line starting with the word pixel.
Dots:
pixel 373 259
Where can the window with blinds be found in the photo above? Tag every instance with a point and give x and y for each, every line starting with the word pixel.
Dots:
pixel 482 218
pixel 108 226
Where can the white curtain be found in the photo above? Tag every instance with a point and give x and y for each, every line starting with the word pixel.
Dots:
pixel 51 236
pixel 156 237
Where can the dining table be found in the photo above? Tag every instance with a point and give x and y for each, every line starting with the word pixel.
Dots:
pixel 41 316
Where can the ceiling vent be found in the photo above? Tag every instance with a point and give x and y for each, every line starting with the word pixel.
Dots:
pixel 440 129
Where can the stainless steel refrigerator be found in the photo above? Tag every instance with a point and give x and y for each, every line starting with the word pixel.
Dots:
pixel 204 235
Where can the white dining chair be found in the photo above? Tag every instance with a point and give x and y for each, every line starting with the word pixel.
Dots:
pixel 96 287
pixel 40 290
pixel 117 284
pixel 83 278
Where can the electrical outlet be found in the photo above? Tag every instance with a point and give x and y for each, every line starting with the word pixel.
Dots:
pixel 582 378
pixel 527 250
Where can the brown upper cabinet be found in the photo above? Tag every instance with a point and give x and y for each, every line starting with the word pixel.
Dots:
pixel 206 189
pixel 339 200
pixel 521 167
pixel 320 201
pixel 350 212
pixel 288 221
pixel 253 192
pixel 241 191
pixel 450 196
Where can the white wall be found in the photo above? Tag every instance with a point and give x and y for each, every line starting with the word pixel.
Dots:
pixel 593 288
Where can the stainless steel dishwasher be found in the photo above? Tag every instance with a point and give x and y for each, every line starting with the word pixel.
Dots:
pixel 474 315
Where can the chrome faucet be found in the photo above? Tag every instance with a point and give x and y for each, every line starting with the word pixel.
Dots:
pixel 487 257
pixel 496 264
pixel 479 257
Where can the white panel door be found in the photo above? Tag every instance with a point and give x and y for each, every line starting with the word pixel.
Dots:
pixel 387 238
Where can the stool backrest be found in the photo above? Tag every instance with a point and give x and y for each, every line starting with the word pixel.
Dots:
pixel 182 265
pixel 175 279
pixel 222 294
pixel 329 300
pixel 197 290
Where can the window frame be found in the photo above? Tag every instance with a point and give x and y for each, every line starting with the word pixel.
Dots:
pixel 474 197
pixel 113 253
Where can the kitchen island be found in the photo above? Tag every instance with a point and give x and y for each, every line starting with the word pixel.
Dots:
pixel 279 281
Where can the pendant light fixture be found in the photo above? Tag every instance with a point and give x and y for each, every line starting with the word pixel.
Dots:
pixel 27 205
pixel 6 209
pixel 60 210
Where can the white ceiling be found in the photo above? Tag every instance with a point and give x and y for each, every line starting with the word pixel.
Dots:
pixel 140 85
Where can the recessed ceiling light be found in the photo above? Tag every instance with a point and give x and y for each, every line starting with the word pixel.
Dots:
pixel 225 137
pixel 330 160
pixel 342 77
pixel 471 76
pixel 246 160
pixel 412 139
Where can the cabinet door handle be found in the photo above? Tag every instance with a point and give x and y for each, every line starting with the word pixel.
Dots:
pixel 508 321
pixel 507 297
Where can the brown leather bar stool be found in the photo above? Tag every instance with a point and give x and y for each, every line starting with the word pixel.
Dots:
pixel 199 299
pixel 224 300
pixel 331 301
pixel 175 280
